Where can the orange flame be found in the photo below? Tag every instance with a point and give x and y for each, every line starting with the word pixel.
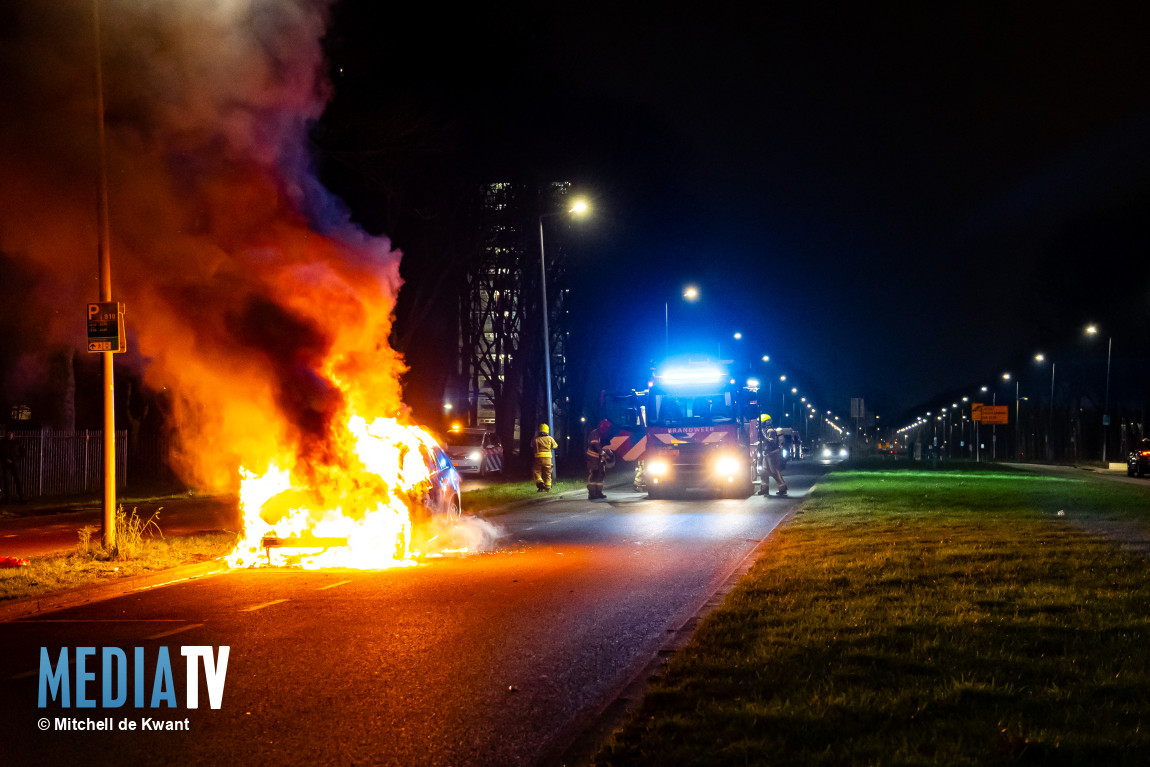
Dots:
pixel 253 302
pixel 359 518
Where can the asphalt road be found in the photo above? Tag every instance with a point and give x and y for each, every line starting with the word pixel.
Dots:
pixel 501 658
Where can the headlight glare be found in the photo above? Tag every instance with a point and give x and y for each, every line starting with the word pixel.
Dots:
pixel 726 465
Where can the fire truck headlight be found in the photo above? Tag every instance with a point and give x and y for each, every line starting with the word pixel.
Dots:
pixel 657 468
pixel 826 452
pixel 726 466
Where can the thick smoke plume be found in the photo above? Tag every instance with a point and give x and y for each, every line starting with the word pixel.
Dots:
pixel 249 293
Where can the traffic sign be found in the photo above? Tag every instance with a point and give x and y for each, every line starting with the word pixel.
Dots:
pixel 976 411
pixel 106 327
pixel 995 414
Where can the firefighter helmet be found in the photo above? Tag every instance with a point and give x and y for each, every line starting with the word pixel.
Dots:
pixel 544 429
pixel 765 418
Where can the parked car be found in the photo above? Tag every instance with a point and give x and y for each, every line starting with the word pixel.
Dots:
pixel 1138 463
pixel 474 451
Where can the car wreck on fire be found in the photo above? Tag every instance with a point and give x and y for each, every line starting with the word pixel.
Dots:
pixel 405 492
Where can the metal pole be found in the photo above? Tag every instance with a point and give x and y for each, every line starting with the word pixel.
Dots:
pixel 666 328
pixel 1106 403
pixel 994 430
pixel 546 329
pixel 1050 419
pixel 108 532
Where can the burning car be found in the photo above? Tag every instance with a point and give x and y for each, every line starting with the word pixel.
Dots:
pixel 374 515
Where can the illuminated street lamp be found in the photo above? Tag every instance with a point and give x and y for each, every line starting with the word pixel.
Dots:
pixel 1093 330
pixel 690 293
pixel 578 208
pixel 1050 418
pixel 1017 425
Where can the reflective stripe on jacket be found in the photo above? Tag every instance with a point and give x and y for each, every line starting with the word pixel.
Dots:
pixel 544 444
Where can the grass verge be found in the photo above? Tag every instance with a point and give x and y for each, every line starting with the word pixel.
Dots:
pixel 503 493
pixel 909 617
pixel 140 548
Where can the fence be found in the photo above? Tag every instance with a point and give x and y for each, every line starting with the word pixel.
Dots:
pixel 66 463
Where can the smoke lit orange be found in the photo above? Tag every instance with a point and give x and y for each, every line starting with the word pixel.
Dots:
pixel 255 306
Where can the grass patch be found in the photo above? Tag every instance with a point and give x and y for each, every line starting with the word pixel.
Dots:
pixel 504 493
pixel 920 617
pixel 140 548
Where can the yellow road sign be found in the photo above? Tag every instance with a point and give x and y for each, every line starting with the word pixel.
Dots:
pixel 995 414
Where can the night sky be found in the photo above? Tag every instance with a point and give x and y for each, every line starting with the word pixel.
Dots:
pixel 893 201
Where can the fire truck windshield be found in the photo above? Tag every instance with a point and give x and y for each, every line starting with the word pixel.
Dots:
pixel 689 410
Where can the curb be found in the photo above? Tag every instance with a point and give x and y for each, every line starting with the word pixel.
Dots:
pixel 27 607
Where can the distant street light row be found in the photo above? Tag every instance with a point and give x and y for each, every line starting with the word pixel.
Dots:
pixel 1090 330
pixel 692 293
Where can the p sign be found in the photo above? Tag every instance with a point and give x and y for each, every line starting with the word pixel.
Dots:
pixel 106 327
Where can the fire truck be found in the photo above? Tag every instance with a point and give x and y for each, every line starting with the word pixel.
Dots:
pixel 694 428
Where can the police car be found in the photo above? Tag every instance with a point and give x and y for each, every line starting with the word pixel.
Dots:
pixel 475 452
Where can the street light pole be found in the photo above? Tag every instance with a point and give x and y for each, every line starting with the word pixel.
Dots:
pixel 546 328
pixel 108 532
pixel 690 293
pixel 1017 423
pixel 1106 401
pixel 1050 413
pixel 1050 425
pixel 1091 330
pixel 579 207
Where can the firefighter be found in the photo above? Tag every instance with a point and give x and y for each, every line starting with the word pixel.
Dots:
pixel 772 459
pixel 596 461
pixel 544 459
